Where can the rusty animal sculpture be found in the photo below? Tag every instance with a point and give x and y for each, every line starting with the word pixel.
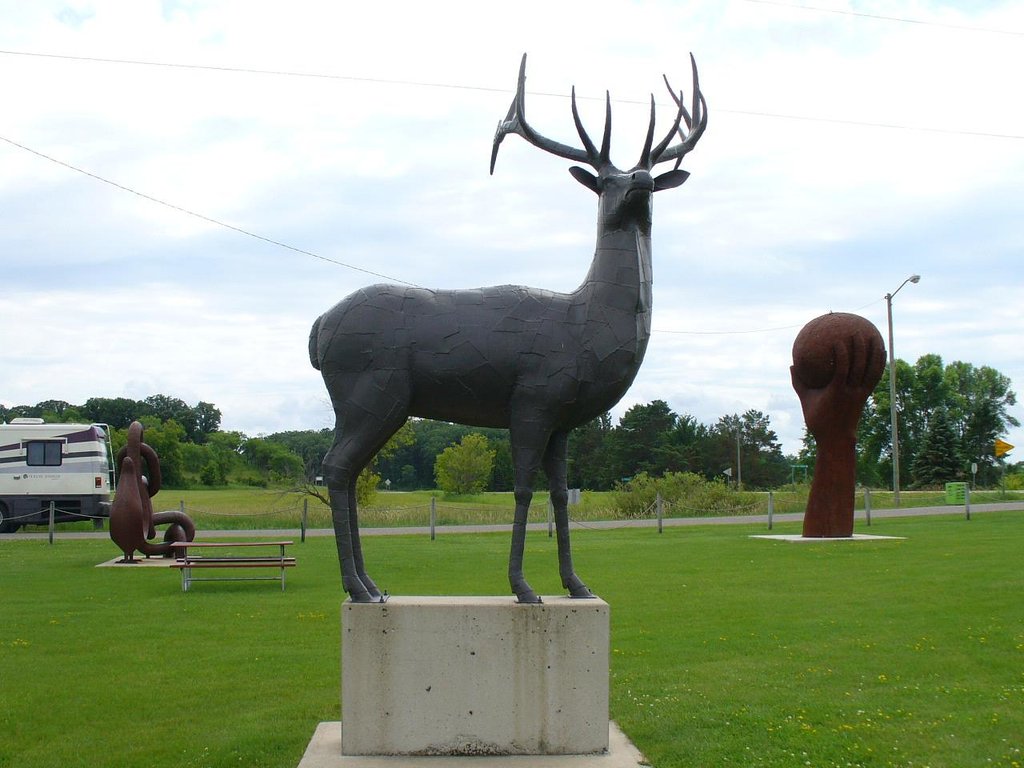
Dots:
pixel 132 520
pixel 537 362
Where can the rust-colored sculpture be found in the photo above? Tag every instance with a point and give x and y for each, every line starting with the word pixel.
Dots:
pixel 837 361
pixel 535 361
pixel 132 520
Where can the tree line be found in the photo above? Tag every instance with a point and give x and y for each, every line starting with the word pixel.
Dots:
pixel 949 418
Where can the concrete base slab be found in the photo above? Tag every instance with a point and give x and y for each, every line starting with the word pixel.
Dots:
pixel 324 751
pixel 140 562
pixel 798 538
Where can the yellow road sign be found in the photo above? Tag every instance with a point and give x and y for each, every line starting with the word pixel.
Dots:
pixel 1002 448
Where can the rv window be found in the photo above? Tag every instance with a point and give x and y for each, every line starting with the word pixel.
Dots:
pixel 43 454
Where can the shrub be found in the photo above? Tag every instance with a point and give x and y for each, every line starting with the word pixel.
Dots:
pixel 685 494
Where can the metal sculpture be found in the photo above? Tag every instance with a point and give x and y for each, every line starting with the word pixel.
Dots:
pixel 537 362
pixel 837 361
pixel 132 520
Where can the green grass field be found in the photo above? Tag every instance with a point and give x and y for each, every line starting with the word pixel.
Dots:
pixel 726 650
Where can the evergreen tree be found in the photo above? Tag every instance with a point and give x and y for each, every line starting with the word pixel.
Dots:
pixel 938 460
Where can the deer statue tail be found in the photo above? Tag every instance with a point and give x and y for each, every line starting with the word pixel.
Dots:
pixel 314 333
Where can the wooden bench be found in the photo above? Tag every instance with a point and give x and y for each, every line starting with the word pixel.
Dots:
pixel 188 559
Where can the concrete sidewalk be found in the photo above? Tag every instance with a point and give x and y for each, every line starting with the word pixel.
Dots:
pixel 668 522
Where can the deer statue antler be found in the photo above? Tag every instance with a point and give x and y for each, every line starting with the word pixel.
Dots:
pixel 515 122
pixel 699 116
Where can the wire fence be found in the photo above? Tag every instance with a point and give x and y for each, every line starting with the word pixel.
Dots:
pixel 293 511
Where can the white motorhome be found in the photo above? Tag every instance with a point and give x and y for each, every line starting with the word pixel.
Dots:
pixel 70 465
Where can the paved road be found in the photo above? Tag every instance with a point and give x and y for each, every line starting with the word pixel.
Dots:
pixel 876 514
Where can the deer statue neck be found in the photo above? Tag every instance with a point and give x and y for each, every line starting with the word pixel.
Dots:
pixel 620 274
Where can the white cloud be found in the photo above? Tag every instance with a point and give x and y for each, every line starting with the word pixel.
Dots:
pixel 783 219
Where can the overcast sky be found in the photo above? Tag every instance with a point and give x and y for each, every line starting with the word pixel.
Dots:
pixel 850 144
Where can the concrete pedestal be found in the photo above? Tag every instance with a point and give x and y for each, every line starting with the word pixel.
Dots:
pixel 475 676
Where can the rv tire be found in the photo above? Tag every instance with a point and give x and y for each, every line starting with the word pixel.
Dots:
pixel 6 524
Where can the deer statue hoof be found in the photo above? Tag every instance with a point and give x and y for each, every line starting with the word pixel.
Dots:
pixel 528 596
pixel 373 589
pixel 358 593
pixel 578 590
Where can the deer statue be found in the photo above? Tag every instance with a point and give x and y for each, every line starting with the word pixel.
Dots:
pixel 531 360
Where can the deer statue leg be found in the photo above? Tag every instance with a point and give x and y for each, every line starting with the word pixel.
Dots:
pixel 340 515
pixel 367 416
pixel 527 449
pixel 357 549
pixel 555 466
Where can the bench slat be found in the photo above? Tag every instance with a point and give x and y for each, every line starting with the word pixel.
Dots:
pixel 259 564
pixel 239 560
pixel 214 544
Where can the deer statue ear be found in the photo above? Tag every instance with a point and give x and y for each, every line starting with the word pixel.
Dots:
pixel 585 177
pixel 670 179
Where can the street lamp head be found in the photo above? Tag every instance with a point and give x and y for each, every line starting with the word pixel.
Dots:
pixel 911 279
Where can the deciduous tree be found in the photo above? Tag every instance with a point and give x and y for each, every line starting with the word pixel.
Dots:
pixel 465 468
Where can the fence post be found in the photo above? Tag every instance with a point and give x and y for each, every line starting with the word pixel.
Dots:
pixel 181 506
pixel 867 505
pixel 305 519
pixel 659 505
pixel 433 515
pixel 771 508
pixel 52 510
pixel 967 502
pixel 551 518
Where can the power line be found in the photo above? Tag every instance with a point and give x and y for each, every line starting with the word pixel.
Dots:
pixel 751 330
pixel 881 17
pixel 202 217
pixel 872 124
pixel 255 71
pixel 728 333
pixel 304 252
pixel 485 89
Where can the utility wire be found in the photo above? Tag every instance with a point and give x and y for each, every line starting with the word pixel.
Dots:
pixel 880 17
pixel 255 71
pixel 208 219
pixel 485 89
pixel 728 333
pixel 336 262
pixel 750 330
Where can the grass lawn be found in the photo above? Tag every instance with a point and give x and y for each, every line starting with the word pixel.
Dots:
pixel 725 650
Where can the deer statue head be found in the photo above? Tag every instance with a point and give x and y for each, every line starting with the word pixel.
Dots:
pixel 625 196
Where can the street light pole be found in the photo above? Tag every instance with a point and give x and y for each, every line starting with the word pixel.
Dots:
pixel 739 464
pixel 892 395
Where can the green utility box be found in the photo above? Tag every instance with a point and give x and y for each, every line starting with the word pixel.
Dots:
pixel 956 493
